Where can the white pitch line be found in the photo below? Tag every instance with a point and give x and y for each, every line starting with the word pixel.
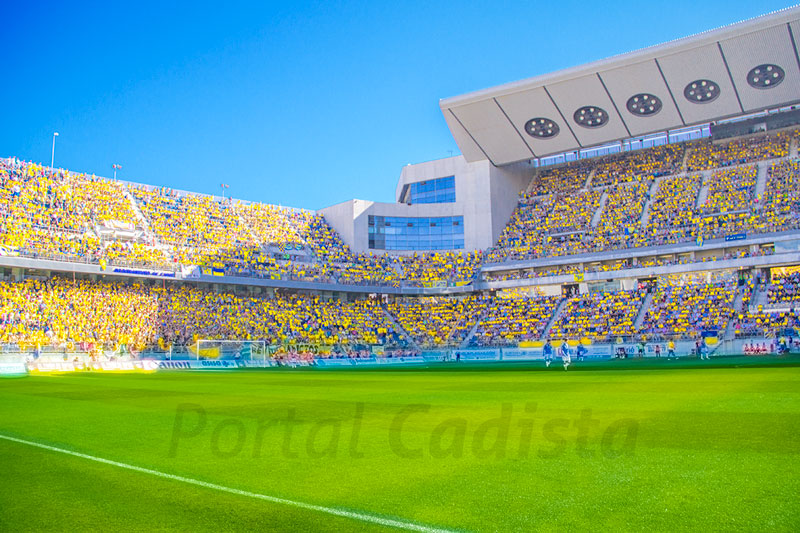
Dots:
pixel 354 515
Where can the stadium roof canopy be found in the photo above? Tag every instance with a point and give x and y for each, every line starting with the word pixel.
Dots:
pixel 742 68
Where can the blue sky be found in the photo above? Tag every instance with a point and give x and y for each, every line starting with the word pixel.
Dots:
pixel 304 104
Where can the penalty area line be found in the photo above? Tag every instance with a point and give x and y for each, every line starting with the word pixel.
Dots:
pixel 354 515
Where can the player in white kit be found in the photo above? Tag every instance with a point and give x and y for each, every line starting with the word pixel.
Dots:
pixel 566 358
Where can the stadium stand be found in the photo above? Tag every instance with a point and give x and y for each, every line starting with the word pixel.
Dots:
pixel 752 320
pixel 784 289
pixel 559 180
pixel 437 321
pixel 554 217
pixel 325 242
pixel 557 224
pixel 673 212
pixel 706 155
pixel 191 223
pixel 638 166
pixel 633 200
pixel 731 190
pixel 512 317
pixel 620 221
pixel 779 205
pixel 765 324
pixel 58 312
pixel 189 314
pixel 685 306
pixel 274 225
pixel 728 207
pixel 134 254
pixel 420 269
pixel 547 226
pixel 599 316
pixel 509 275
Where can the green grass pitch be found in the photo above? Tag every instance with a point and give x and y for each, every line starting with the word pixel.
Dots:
pixel 634 446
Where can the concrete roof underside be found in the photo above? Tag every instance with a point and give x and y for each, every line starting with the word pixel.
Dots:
pixel 491 123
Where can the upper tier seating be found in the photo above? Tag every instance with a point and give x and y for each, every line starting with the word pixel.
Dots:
pixel 586 206
pixel 191 223
pixel 707 155
pixel 780 205
pixel 558 224
pixel 673 212
pixel 640 165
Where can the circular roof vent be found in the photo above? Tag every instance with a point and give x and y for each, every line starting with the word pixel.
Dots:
pixel 590 117
pixel 765 76
pixel 541 128
pixel 701 91
pixel 644 104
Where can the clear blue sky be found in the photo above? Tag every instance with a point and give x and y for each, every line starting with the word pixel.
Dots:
pixel 302 104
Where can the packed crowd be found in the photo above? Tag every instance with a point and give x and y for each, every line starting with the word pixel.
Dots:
pixel 66 314
pixel 753 320
pixel 673 211
pixel 429 267
pixel 274 225
pixel 706 154
pixel 573 269
pixel 731 189
pixel 780 203
pixel 550 225
pixel 683 306
pixel 188 314
pixel 437 321
pixel 57 214
pixel 33 197
pixel 558 224
pixel 560 180
pixel 599 315
pixel 729 208
pixel 134 253
pixel 620 221
pixel 58 313
pixel 191 223
pixel 511 318
pixel 585 206
pixel 687 308
pixel 785 289
pixel 640 165
pixel 758 323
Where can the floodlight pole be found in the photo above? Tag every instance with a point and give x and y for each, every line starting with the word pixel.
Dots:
pixel 53 153
pixel 224 186
pixel 116 167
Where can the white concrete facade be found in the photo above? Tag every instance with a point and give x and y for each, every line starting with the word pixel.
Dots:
pixel 485 196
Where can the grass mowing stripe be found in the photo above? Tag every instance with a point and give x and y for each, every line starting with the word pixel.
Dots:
pixel 363 517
